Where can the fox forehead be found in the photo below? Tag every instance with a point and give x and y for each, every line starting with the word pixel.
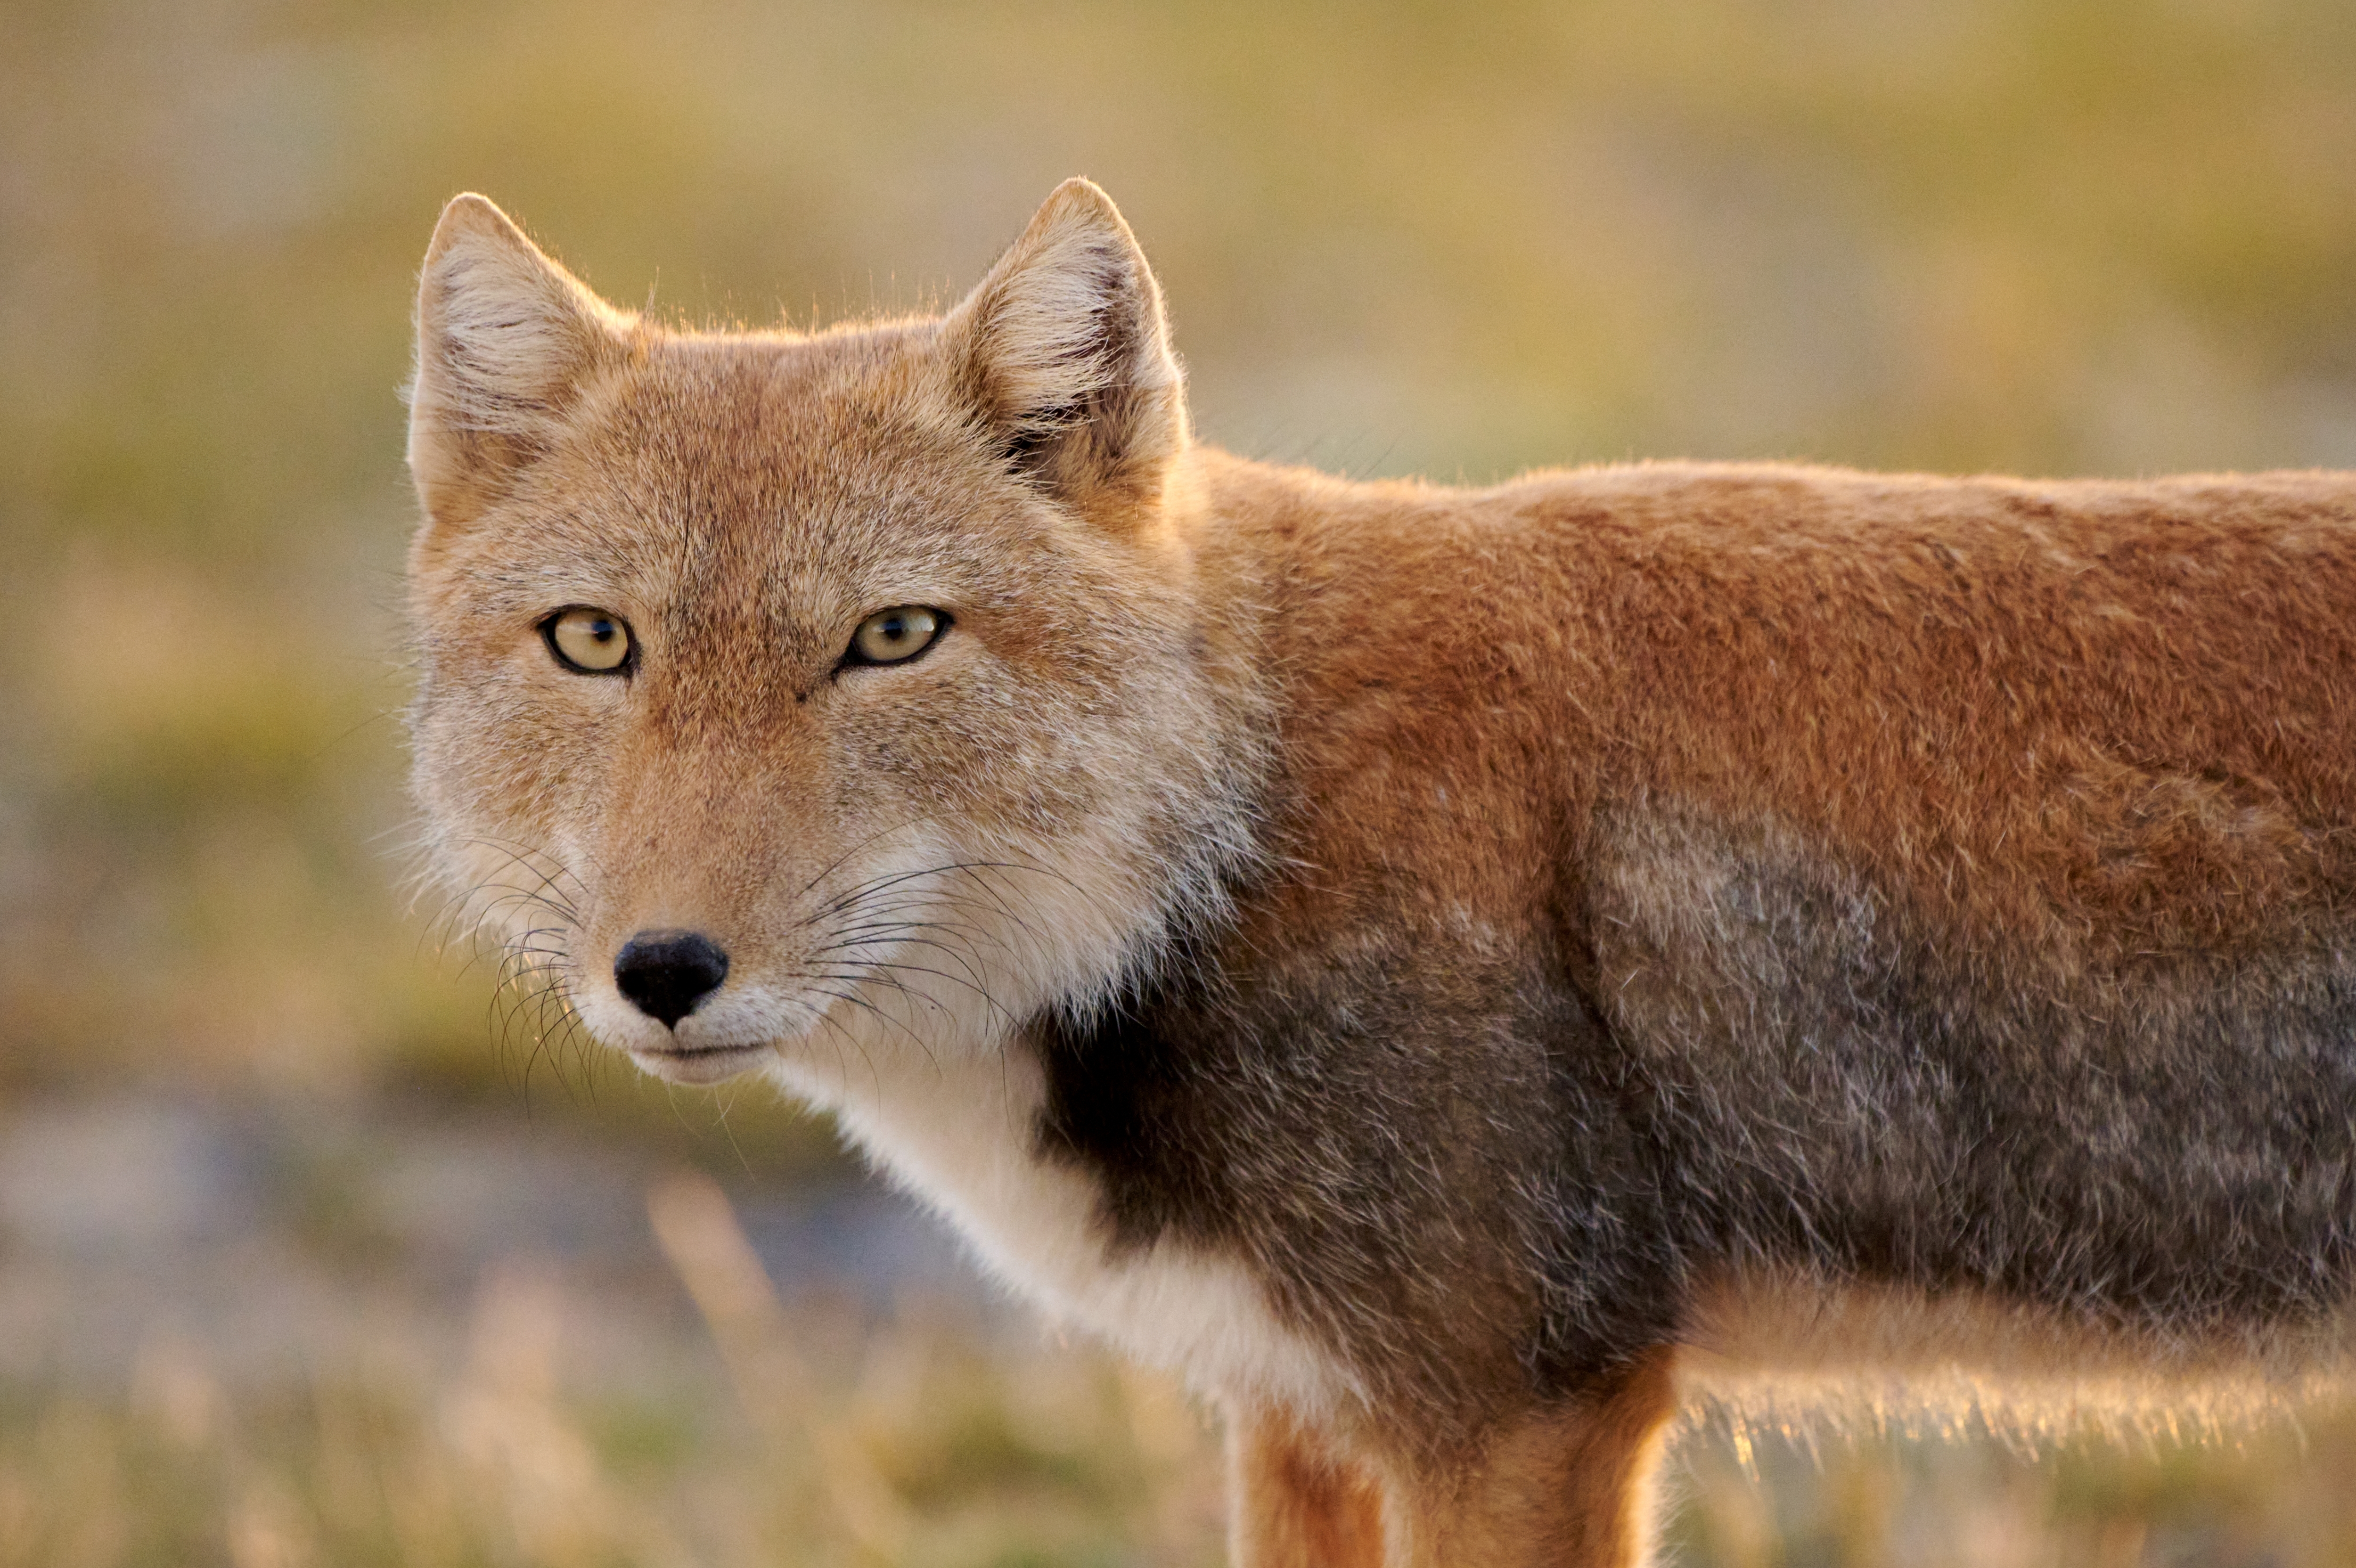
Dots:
pixel 788 483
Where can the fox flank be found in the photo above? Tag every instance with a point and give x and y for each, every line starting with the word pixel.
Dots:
pixel 1460 974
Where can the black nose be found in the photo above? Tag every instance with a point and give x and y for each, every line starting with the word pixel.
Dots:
pixel 667 972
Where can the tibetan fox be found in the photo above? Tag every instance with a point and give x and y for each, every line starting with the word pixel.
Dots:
pixel 1458 974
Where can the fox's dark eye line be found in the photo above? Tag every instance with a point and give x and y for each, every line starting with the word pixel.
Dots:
pixel 894 637
pixel 581 639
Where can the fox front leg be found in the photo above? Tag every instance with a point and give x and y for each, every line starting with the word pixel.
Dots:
pixel 1567 1486
pixel 1296 1498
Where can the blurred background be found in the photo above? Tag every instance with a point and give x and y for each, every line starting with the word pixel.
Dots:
pixel 314 1251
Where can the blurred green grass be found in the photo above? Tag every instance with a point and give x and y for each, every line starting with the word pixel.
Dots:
pixel 2060 236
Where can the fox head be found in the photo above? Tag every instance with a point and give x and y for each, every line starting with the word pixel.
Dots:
pixel 779 691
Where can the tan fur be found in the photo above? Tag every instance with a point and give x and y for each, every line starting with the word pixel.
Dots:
pixel 1295 1500
pixel 1784 1353
pixel 1571 1485
pixel 1438 967
pixel 1574 1486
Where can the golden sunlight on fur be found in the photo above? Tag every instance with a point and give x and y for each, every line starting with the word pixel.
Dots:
pixel 1459 974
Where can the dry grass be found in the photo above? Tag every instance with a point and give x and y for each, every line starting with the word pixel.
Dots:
pixel 937 1436
pixel 928 1439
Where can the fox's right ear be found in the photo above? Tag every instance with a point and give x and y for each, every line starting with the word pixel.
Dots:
pixel 505 337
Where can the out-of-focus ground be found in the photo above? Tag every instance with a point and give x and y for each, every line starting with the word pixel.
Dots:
pixel 312 1252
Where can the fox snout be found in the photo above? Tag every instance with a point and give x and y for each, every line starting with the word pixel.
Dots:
pixel 666 975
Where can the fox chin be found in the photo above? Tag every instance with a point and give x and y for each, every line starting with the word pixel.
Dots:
pixel 1457 973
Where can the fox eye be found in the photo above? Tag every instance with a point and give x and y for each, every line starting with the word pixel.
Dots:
pixel 592 642
pixel 895 635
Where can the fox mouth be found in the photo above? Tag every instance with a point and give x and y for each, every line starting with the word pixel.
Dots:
pixel 742 1029
pixel 678 1063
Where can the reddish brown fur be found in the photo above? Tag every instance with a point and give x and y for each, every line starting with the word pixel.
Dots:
pixel 1296 1501
pixel 2170 663
pixel 1572 1485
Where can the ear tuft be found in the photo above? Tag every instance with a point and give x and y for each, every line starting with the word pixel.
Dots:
pixel 1067 354
pixel 505 336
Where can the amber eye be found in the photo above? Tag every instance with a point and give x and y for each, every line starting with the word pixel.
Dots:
pixel 593 642
pixel 895 635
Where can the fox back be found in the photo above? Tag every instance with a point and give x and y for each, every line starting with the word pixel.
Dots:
pixel 1456 973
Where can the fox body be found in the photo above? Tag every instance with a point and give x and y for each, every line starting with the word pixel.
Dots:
pixel 1452 972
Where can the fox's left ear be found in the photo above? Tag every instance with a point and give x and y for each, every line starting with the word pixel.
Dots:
pixel 1064 354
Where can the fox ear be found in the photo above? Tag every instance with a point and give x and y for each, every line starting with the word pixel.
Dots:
pixel 505 337
pixel 1067 356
